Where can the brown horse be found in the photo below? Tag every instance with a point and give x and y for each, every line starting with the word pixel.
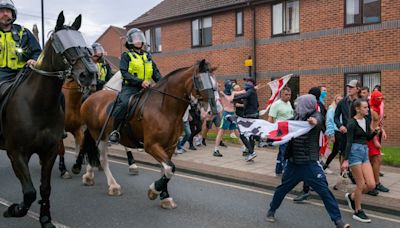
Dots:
pixel 33 121
pixel 74 95
pixel 156 124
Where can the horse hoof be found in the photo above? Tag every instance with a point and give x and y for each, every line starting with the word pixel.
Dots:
pixel 87 181
pixel 168 203
pixel 15 211
pixel 134 169
pixel 114 190
pixel 76 169
pixel 48 225
pixel 45 221
pixel 152 193
pixel 66 175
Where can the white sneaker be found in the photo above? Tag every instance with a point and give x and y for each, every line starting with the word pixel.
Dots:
pixel 251 156
pixel 179 151
pixel 328 171
pixel 233 136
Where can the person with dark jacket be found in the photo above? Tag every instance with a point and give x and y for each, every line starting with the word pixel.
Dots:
pixel 137 69
pixel 250 99
pixel 18 46
pixel 303 165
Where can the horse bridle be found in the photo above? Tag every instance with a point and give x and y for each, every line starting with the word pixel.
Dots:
pixel 198 85
pixel 61 48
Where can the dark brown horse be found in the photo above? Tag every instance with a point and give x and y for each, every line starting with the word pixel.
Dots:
pixel 157 123
pixel 33 120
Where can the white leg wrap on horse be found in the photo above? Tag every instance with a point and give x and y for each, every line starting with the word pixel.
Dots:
pixel 167 170
pixel 153 188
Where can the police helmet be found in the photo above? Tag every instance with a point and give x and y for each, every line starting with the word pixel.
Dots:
pixel 9 4
pixel 97 48
pixel 135 36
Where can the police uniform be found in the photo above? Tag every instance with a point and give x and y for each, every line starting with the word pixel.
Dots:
pixel 135 68
pixel 105 73
pixel 16 47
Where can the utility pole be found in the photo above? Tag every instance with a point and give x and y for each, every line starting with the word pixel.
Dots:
pixel 42 25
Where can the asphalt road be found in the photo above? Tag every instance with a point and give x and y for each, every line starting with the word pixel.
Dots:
pixel 201 202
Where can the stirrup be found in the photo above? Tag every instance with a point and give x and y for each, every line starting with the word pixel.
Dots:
pixel 114 137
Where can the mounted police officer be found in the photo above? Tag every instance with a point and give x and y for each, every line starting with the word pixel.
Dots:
pixel 137 69
pixel 18 46
pixel 104 68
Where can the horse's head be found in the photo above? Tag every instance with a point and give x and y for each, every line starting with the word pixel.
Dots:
pixel 205 84
pixel 71 53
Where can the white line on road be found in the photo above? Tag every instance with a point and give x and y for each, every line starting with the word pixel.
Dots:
pixel 32 214
pixel 249 190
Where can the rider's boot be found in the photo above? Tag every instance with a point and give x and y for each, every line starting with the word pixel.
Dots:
pixel 115 135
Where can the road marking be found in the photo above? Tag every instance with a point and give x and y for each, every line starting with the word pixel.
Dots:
pixel 249 189
pixel 32 214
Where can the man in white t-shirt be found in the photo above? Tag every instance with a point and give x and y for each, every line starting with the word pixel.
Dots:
pixel 281 110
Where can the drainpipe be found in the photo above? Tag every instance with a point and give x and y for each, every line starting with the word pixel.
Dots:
pixel 253 23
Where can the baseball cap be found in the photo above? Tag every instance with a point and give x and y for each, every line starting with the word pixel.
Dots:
pixel 353 83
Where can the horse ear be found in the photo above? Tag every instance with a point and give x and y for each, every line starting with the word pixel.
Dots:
pixel 77 23
pixel 60 21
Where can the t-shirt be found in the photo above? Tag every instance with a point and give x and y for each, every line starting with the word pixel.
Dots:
pixel 281 110
pixel 361 123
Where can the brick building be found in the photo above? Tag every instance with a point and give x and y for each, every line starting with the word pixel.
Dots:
pixel 324 42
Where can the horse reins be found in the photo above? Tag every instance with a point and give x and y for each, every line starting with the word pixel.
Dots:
pixel 59 74
pixel 176 97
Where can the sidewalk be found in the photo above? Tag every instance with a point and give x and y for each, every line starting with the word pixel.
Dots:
pixel 261 172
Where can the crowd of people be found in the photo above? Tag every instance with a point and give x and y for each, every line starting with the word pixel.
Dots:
pixel 352 123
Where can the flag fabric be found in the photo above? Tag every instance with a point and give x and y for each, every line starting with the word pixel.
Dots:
pixel 275 133
pixel 276 87
pixel 115 82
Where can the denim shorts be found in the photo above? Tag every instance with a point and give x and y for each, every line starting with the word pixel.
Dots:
pixel 358 154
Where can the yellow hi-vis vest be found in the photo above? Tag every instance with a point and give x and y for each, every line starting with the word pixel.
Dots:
pixel 141 66
pixel 8 51
pixel 102 71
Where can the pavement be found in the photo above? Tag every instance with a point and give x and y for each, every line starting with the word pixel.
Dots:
pixel 261 172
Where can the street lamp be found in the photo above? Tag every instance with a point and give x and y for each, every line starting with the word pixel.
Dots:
pixel 42 24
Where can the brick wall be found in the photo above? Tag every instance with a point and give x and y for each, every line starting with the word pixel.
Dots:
pixel 112 42
pixel 321 53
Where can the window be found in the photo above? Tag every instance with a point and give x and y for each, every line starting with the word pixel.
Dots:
pixel 239 23
pixel 366 79
pixel 286 18
pixel 202 32
pixel 153 38
pixel 363 12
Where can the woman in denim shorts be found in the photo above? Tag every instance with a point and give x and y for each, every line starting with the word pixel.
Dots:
pixel 356 156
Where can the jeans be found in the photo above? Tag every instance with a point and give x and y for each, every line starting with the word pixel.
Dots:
pixel 280 159
pixel 186 136
pixel 313 174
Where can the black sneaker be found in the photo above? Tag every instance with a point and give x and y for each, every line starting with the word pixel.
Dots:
pixel 381 188
pixel 217 153
pixel 114 137
pixel 191 147
pixel 270 216
pixel 222 144
pixel 350 201
pixel 203 141
pixel 361 216
pixel 373 192
pixel 302 197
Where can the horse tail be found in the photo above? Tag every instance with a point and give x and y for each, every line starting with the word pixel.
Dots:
pixel 90 149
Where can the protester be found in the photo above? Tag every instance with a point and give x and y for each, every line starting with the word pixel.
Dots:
pixel 356 156
pixel 303 157
pixel 186 128
pixel 333 132
pixel 281 110
pixel 374 146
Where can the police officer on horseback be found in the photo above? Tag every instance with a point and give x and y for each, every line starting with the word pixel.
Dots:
pixel 18 46
pixel 104 68
pixel 137 70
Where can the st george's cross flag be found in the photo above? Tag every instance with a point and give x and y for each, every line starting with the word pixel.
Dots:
pixel 276 87
pixel 275 133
